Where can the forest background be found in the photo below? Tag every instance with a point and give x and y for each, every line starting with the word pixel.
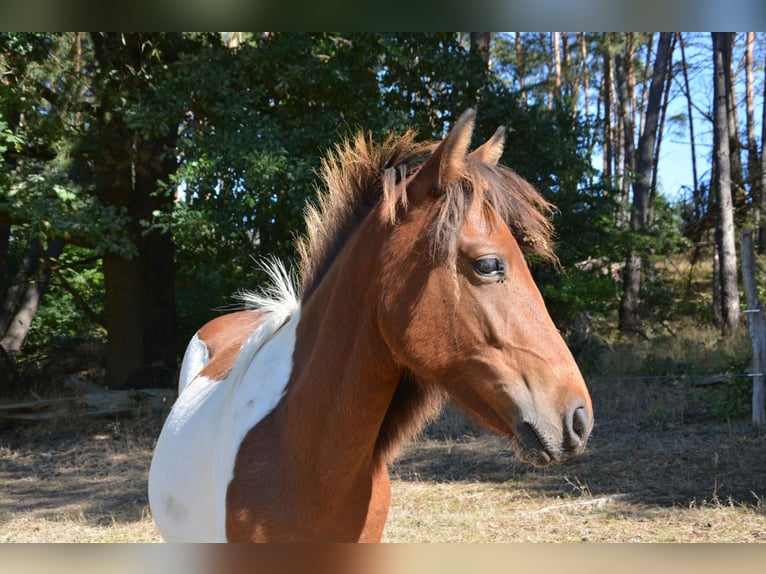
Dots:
pixel 143 173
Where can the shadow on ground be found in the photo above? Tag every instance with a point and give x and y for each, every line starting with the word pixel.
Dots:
pixel 92 469
pixel 660 462
pixel 97 469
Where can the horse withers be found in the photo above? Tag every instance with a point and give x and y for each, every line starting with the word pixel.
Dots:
pixel 413 285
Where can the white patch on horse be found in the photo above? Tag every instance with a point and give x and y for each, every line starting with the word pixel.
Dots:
pixel 194 458
pixel 195 358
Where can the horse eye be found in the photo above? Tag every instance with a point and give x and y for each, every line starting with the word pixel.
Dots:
pixel 489 267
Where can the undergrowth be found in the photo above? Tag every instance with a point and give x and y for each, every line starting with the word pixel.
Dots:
pixel 686 368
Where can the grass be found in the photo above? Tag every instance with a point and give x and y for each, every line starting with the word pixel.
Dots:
pixel 556 506
pixel 684 478
pixel 76 480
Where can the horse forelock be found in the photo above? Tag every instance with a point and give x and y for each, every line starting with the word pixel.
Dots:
pixel 499 190
pixel 359 175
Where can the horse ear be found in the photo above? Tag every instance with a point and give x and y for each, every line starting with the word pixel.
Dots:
pixel 491 150
pixel 447 162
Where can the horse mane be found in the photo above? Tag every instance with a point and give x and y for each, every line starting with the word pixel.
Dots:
pixel 357 175
pixel 352 177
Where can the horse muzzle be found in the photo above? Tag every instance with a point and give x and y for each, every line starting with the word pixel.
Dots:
pixel 542 444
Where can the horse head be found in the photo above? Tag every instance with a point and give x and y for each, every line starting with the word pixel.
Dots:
pixel 459 308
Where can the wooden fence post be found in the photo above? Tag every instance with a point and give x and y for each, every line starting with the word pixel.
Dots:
pixel 756 326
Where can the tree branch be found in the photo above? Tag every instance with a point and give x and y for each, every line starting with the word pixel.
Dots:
pixel 78 298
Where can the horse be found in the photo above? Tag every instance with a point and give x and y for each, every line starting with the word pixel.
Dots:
pixel 412 287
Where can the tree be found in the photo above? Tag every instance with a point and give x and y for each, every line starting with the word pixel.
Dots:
pixel 131 165
pixel 759 182
pixel 26 291
pixel 726 246
pixel 161 165
pixel 481 42
pixel 42 212
pixel 82 173
pixel 521 68
pixel 101 130
pixel 640 162
pixel 697 199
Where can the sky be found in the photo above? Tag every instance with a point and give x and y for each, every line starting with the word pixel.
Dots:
pixel 675 166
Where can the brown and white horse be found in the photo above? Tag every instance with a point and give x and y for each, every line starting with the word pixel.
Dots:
pixel 413 285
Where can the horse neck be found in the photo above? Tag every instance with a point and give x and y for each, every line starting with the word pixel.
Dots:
pixel 343 374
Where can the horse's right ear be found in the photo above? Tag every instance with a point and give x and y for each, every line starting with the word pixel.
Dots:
pixel 447 163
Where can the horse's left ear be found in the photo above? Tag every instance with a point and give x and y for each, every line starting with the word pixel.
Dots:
pixel 491 150
pixel 447 163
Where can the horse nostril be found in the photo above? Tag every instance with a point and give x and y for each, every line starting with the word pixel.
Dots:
pixel 580 427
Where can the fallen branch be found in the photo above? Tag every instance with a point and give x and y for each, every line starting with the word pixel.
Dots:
pixel 712 380
pixel 590 503
pixel 95 403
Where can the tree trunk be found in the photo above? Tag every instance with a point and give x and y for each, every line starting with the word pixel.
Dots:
pixel 556 57
pixel 753 165
pixel 736 171
pixel 642 159
pixel 727 252
pixel 762 181
pixel 752 146
pixel 156 163
pixel 18 327
pixel 756 326
pixel 17 284
pixel 625 124
pixel 717 316
pixel 608 130
pixel 696 192
pixel 140 291
pixel 481 41
pixel 630 64
pixel 660 130
pixel 124 318
pixel 631 275
pixel 131 170
pixel 5 246
pixel 585 74
pixel 521 70
pixel 569 79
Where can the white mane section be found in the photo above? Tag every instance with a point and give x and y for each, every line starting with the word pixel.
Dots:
pixel 280 297
pixel 279 300
pixel 195 359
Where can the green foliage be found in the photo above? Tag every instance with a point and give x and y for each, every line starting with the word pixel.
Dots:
pixel 64 314
pixel 428 80
pixel 732 400
pixel 258 122
pixel 40 187
pixel 251 126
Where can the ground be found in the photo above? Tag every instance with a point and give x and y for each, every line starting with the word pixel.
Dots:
pixel 654 470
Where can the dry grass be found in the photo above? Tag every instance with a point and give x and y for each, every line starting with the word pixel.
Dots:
pixel 645 477
pixel 560 505
pixel 76 480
